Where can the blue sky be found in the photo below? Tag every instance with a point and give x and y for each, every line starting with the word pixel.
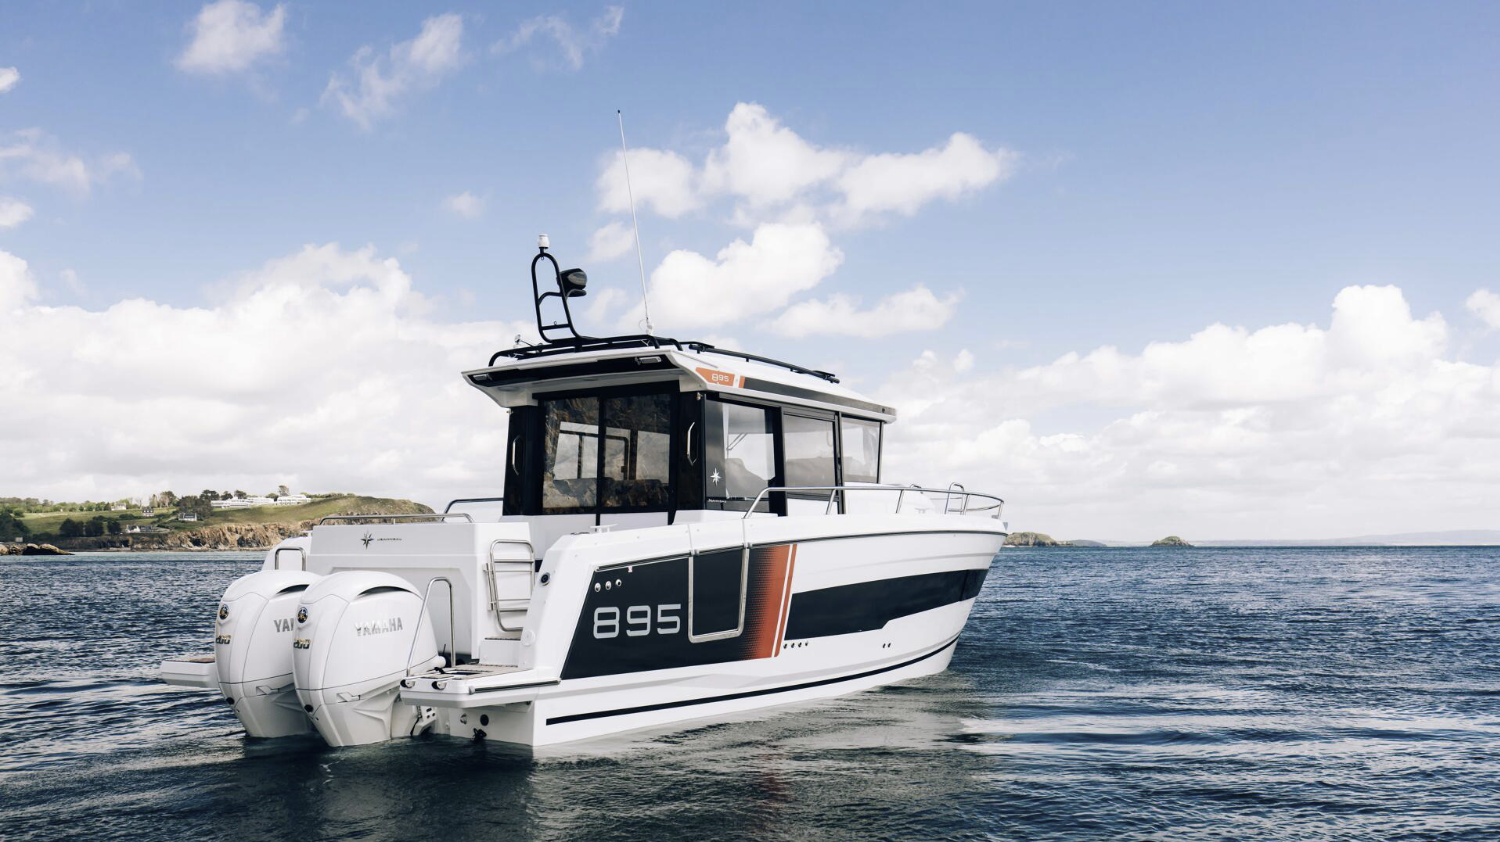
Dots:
pixel 1167 167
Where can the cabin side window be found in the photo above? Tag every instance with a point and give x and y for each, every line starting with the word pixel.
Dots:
pixel 570 460
pixel 861 441
pixel 740 446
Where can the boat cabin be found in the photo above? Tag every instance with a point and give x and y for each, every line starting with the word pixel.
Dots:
pixel 641 431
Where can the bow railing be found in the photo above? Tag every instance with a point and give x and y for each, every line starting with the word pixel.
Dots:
pixel 989 505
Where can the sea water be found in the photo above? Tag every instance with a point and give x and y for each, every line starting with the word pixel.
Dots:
pixel 1109 694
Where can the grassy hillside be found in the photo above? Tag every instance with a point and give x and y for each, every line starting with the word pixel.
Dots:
pixel 313 510
pixel 47 523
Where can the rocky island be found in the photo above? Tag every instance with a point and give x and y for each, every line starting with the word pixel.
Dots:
pixel 31 549
pixel 1170 541
pixel 1034 539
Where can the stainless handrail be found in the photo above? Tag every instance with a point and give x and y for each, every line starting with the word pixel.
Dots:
pixel 276 556
pixel 451 503
pixel 495 600
pixel 948 495
pixel 998 503
pixel 452 636
pixel 439 515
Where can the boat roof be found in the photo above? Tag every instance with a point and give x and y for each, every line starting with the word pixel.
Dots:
pixel 515 377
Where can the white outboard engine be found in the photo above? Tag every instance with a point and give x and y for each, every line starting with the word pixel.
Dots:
pixel 253 651
pixel 358 634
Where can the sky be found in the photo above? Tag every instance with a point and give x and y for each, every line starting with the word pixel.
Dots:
pixel 1223 272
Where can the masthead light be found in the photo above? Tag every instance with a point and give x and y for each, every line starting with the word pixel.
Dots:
pixel 542 242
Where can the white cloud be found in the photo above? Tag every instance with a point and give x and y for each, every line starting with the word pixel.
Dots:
pixel 774 179
pixel 613 241
pixel 410 66
pixel 229 36
pixel 773 174
pixel 602 303
pixel 915 309
pixel 904 183
pixel 766 163
pixel 13 212
pixel 663 181
pixel 742 280
pixel 322 367
pixel 1485 305
pixel 1295 430
pixel 572 44
pixel 464 204
pixel 71 281
pixel 33 155
pixel 1368 425
pixel 17 287
pixel 9 78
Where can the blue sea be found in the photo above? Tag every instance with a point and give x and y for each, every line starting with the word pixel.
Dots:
pixel 1119 694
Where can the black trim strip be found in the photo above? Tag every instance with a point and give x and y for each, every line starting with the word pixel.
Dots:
pixel 590 368
pixel 755 384
pixel 600 714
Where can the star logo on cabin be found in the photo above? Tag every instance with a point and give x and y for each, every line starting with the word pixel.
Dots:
pixel 715 476
pixel 367 539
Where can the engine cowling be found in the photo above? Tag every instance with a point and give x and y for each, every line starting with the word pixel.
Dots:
pixel 358 634
pixel 253 651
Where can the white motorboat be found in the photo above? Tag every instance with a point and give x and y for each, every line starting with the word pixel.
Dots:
pixel 685 533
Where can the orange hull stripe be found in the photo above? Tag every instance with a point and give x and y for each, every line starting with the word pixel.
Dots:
pixel 786 599
pixel 766 600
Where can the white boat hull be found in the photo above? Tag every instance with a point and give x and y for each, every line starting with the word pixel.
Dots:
pixel 878 577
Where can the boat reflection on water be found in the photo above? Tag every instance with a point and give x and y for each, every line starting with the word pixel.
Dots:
pixel 846 764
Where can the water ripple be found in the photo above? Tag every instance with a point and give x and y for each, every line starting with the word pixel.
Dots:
pixel 1098 694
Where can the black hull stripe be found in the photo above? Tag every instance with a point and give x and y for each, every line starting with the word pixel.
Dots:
pixel 867 606
pixel 822 682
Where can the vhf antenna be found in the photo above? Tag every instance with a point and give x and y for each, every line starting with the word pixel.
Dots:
pixel 639 259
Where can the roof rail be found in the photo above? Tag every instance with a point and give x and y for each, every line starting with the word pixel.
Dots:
pixel 641 340
pixel 756 358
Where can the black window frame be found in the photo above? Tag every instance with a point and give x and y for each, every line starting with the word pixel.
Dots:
pixel 777 502
pixel 688 482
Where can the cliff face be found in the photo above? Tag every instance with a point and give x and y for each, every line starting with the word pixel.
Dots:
pixel 229 536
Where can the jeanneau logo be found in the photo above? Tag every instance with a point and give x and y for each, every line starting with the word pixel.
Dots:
pixel 367 539
pixel 378 627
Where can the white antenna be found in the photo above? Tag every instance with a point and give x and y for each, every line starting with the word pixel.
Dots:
pixel 641 261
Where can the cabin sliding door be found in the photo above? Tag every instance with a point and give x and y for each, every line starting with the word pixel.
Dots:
pixel 740 446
